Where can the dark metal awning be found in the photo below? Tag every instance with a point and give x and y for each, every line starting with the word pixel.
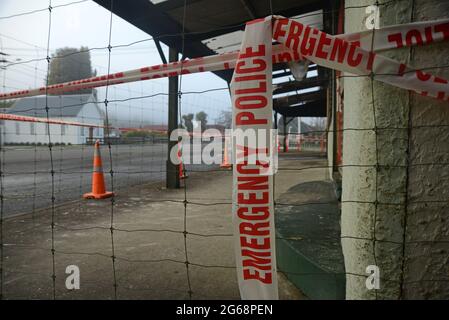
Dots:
pixel 216 26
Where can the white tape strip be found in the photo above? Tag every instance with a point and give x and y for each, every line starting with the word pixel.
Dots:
pixel 401 35
pixel 339 54
pixel 12 117
pixel 210 63
pixel 253 211
pixel 419 33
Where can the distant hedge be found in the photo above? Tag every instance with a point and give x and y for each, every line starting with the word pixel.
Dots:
pixel 131 134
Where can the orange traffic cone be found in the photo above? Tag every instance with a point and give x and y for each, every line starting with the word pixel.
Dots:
pixel 181 166
pixel 98 188
pixel 225 163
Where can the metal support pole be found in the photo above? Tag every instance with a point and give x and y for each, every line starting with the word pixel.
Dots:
pixel 333 94
pixel 172 178
pixel 161 52
pixel 330 23
pixel 284 118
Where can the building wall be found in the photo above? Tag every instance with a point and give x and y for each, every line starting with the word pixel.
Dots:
pixel 90 113
pixel 385 202
pixel 22 132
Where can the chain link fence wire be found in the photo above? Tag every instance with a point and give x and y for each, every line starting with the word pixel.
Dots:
pixel 58 174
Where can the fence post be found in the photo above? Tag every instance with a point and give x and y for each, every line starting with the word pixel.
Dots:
pixel 172 177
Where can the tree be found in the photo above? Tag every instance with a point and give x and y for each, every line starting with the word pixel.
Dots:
pixel 6 104
pixel 225 119
pixel 138 133
pixel 201 117
pixel 319 123
pixel 69 64
pixel 188 121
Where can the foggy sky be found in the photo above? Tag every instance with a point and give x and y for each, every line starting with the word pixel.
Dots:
pixel 87 24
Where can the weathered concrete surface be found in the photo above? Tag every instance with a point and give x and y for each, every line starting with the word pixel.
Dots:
pixel 82 237
pixel 381 204
pixel 428 186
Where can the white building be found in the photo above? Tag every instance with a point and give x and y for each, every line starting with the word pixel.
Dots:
pixel 76 108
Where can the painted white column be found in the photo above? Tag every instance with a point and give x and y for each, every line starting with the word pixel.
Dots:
pixel 385 202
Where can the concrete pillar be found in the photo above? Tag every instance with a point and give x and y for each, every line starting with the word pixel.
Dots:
pixel 172 177
pixel 402 201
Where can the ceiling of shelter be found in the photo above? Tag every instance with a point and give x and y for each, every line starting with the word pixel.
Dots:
pixel 204 14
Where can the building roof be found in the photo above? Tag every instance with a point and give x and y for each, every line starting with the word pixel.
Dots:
pixel 59 106
pixel 210 26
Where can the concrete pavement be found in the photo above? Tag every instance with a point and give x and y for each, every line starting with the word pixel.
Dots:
pixel 27 179
pixel 148 243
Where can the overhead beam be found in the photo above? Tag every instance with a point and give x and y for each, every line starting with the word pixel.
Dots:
pixel 328 14
pixel 161 52
pixel 310 109
pixel 287 72
pixel 299 85
pixel 249 8
pixel 298 98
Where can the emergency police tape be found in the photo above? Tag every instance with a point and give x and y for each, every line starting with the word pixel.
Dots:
pixel 418 33
pixel 253 210
pixel 401 35
pixel 339 54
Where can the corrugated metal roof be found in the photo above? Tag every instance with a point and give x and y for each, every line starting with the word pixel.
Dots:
pixel 59 106
pixel 232 41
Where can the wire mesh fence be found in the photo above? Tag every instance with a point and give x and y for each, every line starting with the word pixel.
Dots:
pixel 148 242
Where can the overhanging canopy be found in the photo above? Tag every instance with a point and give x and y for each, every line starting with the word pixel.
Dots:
pixel 216 26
